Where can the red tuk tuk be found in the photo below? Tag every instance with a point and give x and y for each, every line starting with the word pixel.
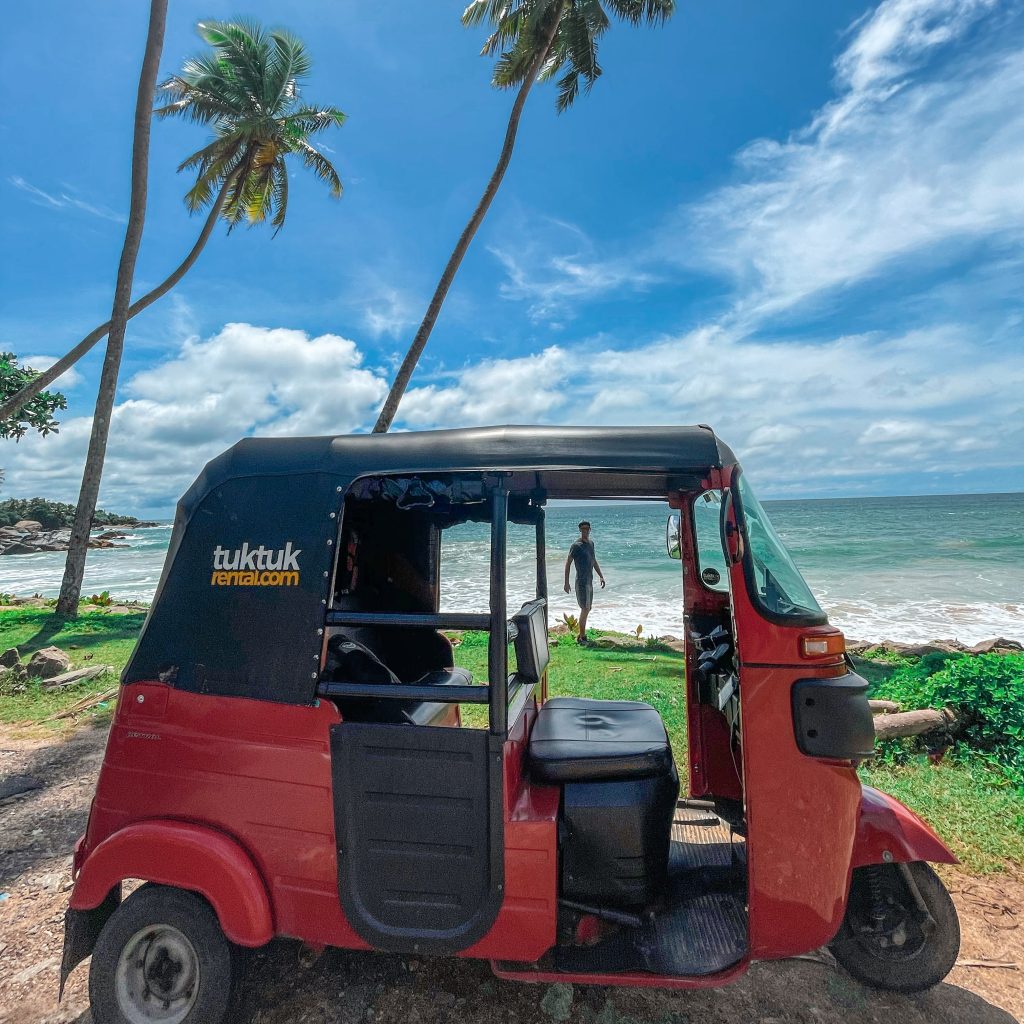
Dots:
pixel 288 756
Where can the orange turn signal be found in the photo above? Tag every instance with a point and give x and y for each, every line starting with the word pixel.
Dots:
pixel 821 646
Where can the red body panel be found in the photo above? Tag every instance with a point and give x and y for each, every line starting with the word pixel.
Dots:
pixel 711 769
pixel 188 856
pixel 254 778
pixel 888 831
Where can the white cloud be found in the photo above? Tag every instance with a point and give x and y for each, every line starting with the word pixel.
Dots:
pixel 802 415
pixel 848 408
pixel 67 380
pixel 387 310
pixel 901 164
pixel 524 390
pixel 556 267
pixel 178 415
pixel 63 200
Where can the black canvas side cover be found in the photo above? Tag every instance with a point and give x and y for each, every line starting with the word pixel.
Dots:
pixel 241 597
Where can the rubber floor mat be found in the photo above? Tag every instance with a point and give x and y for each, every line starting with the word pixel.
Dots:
pixel 702 841
pixel 700 935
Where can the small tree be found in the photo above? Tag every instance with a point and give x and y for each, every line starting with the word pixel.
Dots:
pixel 38 414
pixel 536 40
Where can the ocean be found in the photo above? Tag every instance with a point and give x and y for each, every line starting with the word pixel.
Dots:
pixel 909 569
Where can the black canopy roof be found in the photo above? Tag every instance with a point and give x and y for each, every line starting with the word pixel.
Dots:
pixel 654 449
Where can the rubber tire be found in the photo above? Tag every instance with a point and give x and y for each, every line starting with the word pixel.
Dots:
pixel 193 917
pixel 926 969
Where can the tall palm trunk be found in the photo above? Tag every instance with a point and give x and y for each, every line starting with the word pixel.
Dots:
pixel 405 371
pixel 74 569
pixel 48 376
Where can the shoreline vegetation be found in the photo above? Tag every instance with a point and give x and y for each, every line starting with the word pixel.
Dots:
pixel 31 525
pixel 967 782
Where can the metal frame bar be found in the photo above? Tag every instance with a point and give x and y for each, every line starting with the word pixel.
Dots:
pixel 443 620
pixel 497 644
pixel 437 693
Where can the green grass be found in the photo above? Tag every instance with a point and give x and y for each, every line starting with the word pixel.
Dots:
pixel 977 814
pixel 651 675
pixel 94 638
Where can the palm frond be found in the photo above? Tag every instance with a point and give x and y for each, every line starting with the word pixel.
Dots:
pixel 636 11
pixel 289 61
pixel 485 10
pixel 519 28
pixel 321 167
pixel 280 195
pixel 311 120
pixel 243 44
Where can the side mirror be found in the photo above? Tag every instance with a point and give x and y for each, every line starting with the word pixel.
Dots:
pixel 672 536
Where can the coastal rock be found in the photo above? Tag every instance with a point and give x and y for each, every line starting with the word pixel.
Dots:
pixel 19 548
pixel 112 535
pixel 28 526
pixel 613 642
pixel 905 650
pixel 48 662
pixel 10 658
pixel 999 645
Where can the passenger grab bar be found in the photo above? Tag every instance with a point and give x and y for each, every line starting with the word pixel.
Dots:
pixel 438 693
pixel 445 620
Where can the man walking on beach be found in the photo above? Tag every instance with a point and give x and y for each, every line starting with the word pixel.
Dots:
pixel 583 555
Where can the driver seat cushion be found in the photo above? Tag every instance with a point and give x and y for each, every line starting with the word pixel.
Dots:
pixel 575 739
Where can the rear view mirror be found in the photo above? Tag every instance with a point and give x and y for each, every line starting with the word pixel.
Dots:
pixel 672 536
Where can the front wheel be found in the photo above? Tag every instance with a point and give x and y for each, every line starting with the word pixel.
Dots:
pixel 161 959
pixel 901 931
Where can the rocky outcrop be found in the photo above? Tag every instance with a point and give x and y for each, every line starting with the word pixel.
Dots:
pixel 880 649
pixel 29 538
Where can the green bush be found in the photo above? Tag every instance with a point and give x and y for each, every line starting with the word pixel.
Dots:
pixel 987 693
pixel 53 515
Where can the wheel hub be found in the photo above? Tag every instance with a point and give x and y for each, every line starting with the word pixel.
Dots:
pixel 157 977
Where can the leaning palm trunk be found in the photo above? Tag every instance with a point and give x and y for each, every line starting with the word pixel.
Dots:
pixel 74 569
pixel 48 376
pixel 405 371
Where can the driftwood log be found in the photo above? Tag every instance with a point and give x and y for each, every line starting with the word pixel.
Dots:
pixel 883 707
pixel 85 704
pixel 74 677
pixel 912 723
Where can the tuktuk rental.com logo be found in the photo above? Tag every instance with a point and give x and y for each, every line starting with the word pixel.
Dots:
pixel 256 566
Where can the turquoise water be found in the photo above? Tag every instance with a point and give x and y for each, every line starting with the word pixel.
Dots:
pixel 899 568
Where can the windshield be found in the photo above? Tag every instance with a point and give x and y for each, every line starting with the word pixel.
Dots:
pixel 776 584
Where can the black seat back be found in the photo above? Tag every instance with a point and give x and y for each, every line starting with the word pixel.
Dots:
pixel 532 654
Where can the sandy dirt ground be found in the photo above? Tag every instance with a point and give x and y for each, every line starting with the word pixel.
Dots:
pixel 288 985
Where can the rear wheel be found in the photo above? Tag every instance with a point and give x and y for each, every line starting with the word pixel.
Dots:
pixel 161 959
pixel 891 941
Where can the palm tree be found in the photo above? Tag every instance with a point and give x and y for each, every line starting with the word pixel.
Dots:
pixel 536 40
pixel 74 568
pixel 247 89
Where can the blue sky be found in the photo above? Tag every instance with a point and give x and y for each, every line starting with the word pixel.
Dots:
pixel 801 223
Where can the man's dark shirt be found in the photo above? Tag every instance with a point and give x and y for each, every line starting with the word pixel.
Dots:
pixel 583 556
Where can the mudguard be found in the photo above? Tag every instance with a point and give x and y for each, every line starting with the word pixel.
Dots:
pixel 888 832
pixel 189 857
